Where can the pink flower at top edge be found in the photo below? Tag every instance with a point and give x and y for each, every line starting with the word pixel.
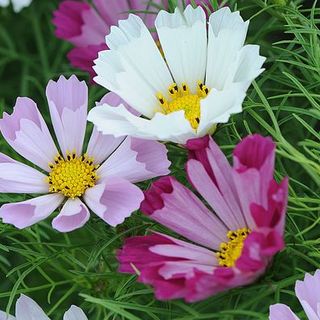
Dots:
pixel 308 293
pixel 101 177
pixel 228 246
pixel 86 26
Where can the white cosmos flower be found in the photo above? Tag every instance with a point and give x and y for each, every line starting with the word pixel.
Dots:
pixel 199 79
pixel 18 5
pixel 27 309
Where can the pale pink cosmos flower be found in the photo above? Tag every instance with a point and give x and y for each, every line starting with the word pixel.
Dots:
pixel 86 25
pixel 226 246
pixel 27 309
pixel 308 293
pixel 101 177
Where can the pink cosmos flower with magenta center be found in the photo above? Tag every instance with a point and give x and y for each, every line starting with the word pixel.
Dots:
pixel 86 25
pixel 228 245
pixel 101 177
pixel 308 293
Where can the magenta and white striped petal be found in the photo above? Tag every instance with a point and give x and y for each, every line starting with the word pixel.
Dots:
pixel 68 104
pixel 27 133
pixel 73 215
pixel 26 213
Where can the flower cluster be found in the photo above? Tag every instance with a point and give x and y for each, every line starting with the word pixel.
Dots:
pixel 171 77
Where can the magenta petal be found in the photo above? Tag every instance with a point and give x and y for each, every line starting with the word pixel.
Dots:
pixel 26 213
pixel 74 215
pixel 20 129
pixel 68 103
pixel 136 160
pixel 68 19
pixel 83 57
pixel 281 312
pixel 114 200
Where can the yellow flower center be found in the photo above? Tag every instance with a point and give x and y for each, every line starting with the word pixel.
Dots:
pixel 182 99
pixel 73 175
pixel 230 251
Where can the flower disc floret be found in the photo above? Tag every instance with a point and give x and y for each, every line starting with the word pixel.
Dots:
pixel 231 250
pixel 73 175
pixel 182 99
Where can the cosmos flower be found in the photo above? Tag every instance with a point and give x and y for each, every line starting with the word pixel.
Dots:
pixel 18 5
pixel 86 25
pixel 27 309
pixel 308 293
pixel 200 79
pixel 102 176
pixel 226 246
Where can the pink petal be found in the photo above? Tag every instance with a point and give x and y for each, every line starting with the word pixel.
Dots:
pixel 20 129
pixel 114 200
pixel 101 146
pixel 68 19
pixel 281 312
pixel 230 216
pixel 68 103
pixel 308 292
pixel 74 313
pixel 27 309
pixel 83 57
pixel 73 215
pixel 26 213
pixel 28 180
pixel 136 160
pixel 4 316
pixel 179 209
pixel 254 156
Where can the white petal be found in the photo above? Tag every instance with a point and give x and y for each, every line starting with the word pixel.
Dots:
pixel 27 309
pixel 183 38
pixel 4 3
pixel 227 33
pixel 3 315
pixel 219 105
pixel 18 5
pixel 133 67
pixel 119 122
pixel 74 313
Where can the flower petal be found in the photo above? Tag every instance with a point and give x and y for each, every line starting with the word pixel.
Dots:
pixel 218 106
pixel 28 180
pixel 176 207
pixel 74 313
pixel 18 5
pixel 184 35
pixel 113 200
pixel 227 33
pixel 308 292
pixel 136 160
pixel 3 315
pixel 20 129
pixel 27 309
pixel 120 122
pixel 74 215
pixel 26 213
pixel 68 103
pixel 281 311
pixel 134 67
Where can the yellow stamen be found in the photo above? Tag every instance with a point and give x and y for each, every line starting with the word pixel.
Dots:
pixel 182 99
pixel 73 175
pixel 230 251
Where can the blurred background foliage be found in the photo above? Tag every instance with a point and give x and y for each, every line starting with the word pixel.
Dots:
pixel 80 267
